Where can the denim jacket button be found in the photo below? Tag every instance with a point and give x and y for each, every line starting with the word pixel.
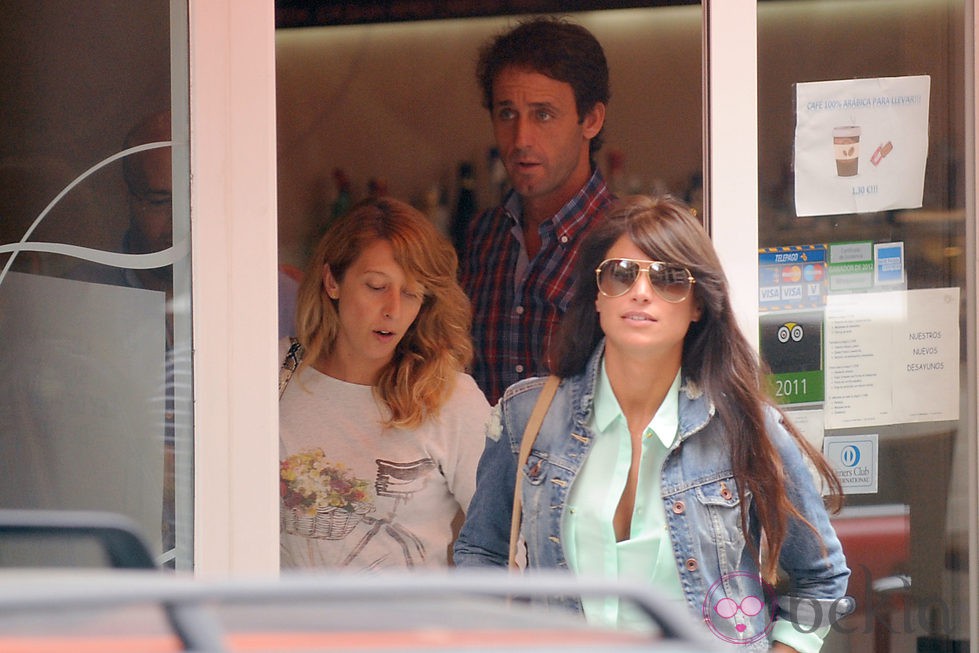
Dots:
pixel 691 564
pixel 725 492
pixel 679 507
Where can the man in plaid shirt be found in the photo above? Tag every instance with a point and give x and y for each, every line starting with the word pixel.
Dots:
pixel 546 86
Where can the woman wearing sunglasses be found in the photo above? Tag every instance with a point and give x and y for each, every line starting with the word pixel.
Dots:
pixel 661 457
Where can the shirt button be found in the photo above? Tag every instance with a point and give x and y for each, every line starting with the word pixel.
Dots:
pixel 691 564
pixel 679 507
pixel 519 310
pixel 519 369
pixel 564 239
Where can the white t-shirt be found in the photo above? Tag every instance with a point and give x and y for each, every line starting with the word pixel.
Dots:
pixel 362 497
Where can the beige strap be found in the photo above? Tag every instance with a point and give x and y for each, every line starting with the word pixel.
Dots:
pixel 529 435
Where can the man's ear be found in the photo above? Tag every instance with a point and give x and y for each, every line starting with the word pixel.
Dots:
pixel 330 284
pixel 592 122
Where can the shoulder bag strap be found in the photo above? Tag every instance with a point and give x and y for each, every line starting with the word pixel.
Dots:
pixel 289 365
pixel 529 435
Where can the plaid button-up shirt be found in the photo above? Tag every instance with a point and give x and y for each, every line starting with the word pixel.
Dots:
pixel 517 303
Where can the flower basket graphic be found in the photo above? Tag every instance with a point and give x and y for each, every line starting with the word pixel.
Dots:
pixel 319 499
pixel 328 523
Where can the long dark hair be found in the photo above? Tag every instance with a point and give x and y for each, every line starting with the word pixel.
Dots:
pixel 716 355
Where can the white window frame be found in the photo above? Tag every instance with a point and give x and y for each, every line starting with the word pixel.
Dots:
pixel 234 247
pixel 971 418
pixel 234 254
pixel 731 148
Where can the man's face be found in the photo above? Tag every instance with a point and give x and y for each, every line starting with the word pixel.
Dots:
pixel 543 144
pixel 150 202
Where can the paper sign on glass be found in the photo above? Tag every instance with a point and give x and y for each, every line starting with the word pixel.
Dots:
pixel 892 357
pixel 861 145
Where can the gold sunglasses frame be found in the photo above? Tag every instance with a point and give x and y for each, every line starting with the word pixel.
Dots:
pixel 644 266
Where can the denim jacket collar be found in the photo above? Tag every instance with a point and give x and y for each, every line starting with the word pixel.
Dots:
pixel 695 407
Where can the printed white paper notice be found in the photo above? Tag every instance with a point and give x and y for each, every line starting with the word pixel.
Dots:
pixel 810 424
pixel 861 144
pixel 892 357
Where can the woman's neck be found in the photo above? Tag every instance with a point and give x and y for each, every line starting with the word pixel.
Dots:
pixel 640 384
pixel 335 365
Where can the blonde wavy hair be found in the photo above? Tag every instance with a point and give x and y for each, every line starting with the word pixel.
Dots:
pixel 421 375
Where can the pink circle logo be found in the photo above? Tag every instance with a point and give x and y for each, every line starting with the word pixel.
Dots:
pixel 728 616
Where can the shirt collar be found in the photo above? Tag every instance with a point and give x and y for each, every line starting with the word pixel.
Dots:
pixel 574 215
pixel 513 206
pixel 664 423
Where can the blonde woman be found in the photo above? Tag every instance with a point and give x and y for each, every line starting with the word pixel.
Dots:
pixel 380 427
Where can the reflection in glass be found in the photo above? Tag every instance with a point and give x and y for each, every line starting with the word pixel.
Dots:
pixel 95 367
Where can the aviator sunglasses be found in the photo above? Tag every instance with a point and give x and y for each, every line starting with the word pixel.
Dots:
pixel 616 276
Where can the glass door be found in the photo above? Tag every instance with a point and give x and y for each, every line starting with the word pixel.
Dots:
pixel 95 370
pixel 865 293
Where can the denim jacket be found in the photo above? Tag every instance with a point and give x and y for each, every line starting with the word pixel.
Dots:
pixel 700 497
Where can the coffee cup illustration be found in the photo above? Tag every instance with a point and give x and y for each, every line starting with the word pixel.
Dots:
pixel 846 146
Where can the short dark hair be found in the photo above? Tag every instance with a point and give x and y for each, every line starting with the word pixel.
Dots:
pixel 555 47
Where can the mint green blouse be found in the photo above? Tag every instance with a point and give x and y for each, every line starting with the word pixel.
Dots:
pixel 647 556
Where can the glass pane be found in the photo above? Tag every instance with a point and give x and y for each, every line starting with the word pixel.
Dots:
pixel 94 284
pixel 881 296
pixel 354 127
